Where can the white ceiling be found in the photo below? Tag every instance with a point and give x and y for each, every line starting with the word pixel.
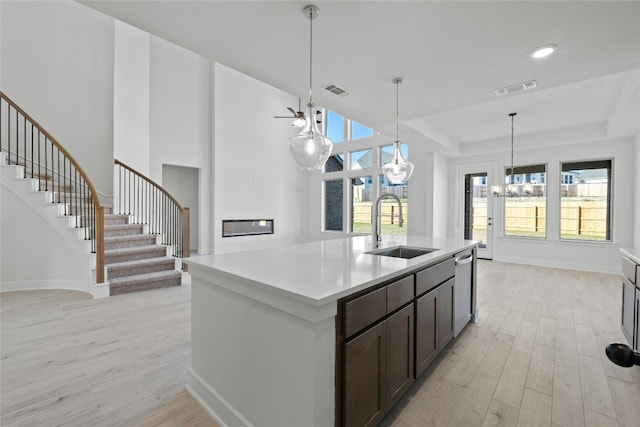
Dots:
pixel 451 54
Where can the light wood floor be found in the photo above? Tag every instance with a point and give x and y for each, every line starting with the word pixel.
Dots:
pixel 535 358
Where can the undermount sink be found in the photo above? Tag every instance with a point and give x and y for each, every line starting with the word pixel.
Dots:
pixel 404 252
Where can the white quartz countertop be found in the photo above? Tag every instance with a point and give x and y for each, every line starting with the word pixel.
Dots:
pixel 321 272
pixel 631 253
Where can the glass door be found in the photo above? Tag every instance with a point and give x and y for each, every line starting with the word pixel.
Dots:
pixel 478 212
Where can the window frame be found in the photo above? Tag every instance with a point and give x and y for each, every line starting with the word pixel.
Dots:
pixel 523 170
pixel 347 175
pixel 609 164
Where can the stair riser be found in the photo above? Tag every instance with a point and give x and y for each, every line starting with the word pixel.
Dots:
pixel 115 221
pixel 129 231
pixel 114 273
pixel 111 259
pixel 130 243
pixel 123 289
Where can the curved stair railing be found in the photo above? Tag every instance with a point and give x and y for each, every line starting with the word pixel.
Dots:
pixel 28 144
pixel 148 203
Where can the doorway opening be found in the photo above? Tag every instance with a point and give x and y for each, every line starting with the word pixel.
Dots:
pixel 477 212
pixel 182 183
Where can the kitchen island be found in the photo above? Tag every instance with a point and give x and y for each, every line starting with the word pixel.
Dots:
pixel 264 324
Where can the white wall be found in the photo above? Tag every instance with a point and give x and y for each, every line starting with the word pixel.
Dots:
pixel 441 188
pixel 181 123
pixel 551 251
pixel 39 248
pixel 131 139
pixel 636 193
pixel 254 175
pixel 57 64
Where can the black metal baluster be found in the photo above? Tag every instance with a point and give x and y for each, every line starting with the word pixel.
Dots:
pixel 46 171
pixel 24 143
pixel 32 152
pixel 9 133
pixel 39 163
pixel 17 134
pixel 129 191
pixel 75 204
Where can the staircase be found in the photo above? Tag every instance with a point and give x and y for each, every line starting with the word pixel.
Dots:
pixel 125 256
pixel 134 260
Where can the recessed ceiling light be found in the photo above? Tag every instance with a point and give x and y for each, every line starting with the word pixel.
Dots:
pixel 544 51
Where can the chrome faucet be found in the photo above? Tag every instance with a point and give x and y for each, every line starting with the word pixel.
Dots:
pixel 376 221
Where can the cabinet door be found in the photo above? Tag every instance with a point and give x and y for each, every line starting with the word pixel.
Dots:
pixel 637 329
pixel 446 320
pixel 400 350
pixel 364 378
pixel 426 330
pixel 628 306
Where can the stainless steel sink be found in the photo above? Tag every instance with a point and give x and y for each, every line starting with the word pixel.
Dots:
pixel 404 252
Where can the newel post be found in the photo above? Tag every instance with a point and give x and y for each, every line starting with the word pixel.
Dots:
pixel 100 244
pixel 185 233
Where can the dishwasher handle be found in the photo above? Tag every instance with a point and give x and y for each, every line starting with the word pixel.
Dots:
pixel 464 261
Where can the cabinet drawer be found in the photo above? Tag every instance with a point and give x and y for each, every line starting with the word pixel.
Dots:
pixel 364 311
pixel 431 277
pixel 399 293
pixel 629 269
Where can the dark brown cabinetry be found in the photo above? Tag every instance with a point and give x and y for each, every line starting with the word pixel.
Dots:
pixel 637 329
pixel 434 323
pixel 400 351
pixel 378 363
pixel 364 381
pixel 426 326
pixel 386 338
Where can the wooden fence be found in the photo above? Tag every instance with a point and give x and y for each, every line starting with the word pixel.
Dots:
pixel 586 219
pixel 388 212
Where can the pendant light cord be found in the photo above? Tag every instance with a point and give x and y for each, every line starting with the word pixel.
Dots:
pixel 310 57
pixel 397 108
pixel 511 175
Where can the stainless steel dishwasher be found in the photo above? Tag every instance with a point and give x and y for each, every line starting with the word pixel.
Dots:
pixel 462 290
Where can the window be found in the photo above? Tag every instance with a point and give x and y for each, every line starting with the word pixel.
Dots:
pixel 585 200
pixel 359 181
pixel 361 204
pixel 360 131
pixel 525 206
pixel 361 159
pixel 334 163
pixel 339 129
pixel 335 126
pixel 333 205
pixel 389 209
pixel 387 153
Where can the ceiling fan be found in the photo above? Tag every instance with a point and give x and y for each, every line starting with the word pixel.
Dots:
pixel 297 116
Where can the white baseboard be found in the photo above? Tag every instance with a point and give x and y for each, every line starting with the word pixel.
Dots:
pixel 224 413
pixel 559 264
pixel 30 285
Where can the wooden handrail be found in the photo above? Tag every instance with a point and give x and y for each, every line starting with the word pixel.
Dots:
pixel 99 209
pixel 145 208
pixel 156 185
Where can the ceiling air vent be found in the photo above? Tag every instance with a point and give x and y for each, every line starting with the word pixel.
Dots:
pixel 336 90
pixel 516 88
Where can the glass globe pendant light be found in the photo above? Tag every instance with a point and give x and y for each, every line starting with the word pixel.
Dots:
pixel 310 149
pixel 398 170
